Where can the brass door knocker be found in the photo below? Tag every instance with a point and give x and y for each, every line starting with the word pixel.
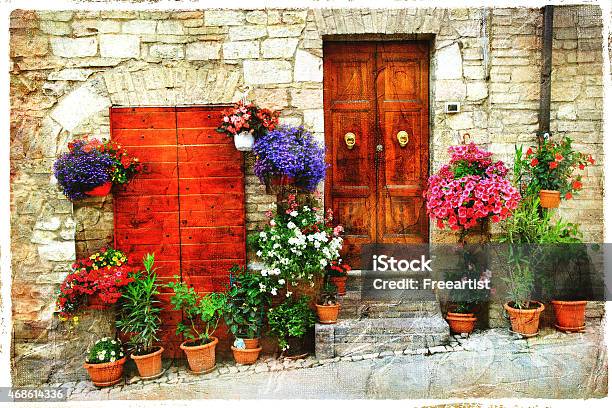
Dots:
pixel 350 140
pixel 402 138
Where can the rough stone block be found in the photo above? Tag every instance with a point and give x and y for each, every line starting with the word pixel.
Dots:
pixel 247 33
pixel 279 47
pixel 74 47
pixel 170 27
pixel 167 51
pixel 119 46
pixel 79 105
pixel 449 64
pixel 241 49
pixel 266 72
pixel 139 27
pixel 55 27
pixel 308 67
pixel 205 50
pixel 223 17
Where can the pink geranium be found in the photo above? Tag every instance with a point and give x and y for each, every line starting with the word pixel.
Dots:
pixel 470 189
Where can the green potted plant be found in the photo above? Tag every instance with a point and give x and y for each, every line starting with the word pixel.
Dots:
pixel 140 318
pixel 551 167
pixel 201 316
pixel 244 313
pixel 327 304
pixel 105 362
pixel 289 322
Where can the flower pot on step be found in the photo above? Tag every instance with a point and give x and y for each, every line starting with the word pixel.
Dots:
pixel 101 190
pixel 328 314
pixel 525 321
pixel 149 365
pixel 244 141
pixel 201 358
pixel 461 322
pixel 105 374
pixel 550 198
pixel 251 343
pixel 569 315
pixel 246 356
pixel 340 283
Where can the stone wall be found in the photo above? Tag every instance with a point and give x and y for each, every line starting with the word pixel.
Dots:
pixel 69 67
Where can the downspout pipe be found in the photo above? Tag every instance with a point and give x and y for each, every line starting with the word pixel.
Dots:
pixel 545 75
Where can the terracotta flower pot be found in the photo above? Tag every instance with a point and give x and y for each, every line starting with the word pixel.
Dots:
pixel 201 359
pixel 328 314
pixel 340 282
pixel 525 321
pixel 461 322
pixel 251 343
pixel 101 190
pixel 569 314
pixel 550 198
pixel 106 374
pixel 149 365
pixel 94 302
pixel 246 356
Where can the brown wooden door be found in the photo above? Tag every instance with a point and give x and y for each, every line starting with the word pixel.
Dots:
pixel 375 91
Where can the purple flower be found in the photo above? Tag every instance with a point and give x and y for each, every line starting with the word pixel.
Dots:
pixel 79 171
pixel 292 152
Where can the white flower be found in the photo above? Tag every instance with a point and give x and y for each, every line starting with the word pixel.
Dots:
pixel 259 253
pixel 262 235
pixel 273 292
pixel 281 281
pixel 112 352
pixel 262 287
pixel 264 272
pixel 306 208
pixel 112 359
pixel 293 213
pixel 289 294
pixel 291 225
pixel 272 223
pixel 113 342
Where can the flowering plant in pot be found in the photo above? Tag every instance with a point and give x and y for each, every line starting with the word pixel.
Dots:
pixel 91 167
pixel 470 189
pixel 140 318
pixel 551 167
pixel 327 304
pixel 289 322
pixel 105 362
pixel 290 155
pixel 245 122
pixel 201 317
pixel 244 313
pixel 297 244
pixel 96 282
pixel 337 274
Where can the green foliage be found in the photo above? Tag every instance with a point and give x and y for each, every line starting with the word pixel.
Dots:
pixel 140 314
pixel 520 281
pixel 329 294
pixel 201 314
pixel 292 318
pixel 105 350
pixel 246 302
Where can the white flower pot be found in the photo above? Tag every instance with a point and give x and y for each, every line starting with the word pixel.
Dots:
pixel 244 141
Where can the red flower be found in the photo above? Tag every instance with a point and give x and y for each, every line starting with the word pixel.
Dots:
pixel 568 196
pixel 576 185
pixel 591 160
pixel 558 157
pixel 553 165
pixel 534 162
pixel 529 152
pixel 581 166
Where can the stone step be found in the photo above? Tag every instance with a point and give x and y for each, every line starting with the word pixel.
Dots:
pixel 364 336
pixel 374 309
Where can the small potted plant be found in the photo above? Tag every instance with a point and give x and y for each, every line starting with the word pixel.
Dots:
pixel 289 155
pixel 105 362
pixel 289 322
pixel 91 167
pixel 201 316
pixel 337 273
pixel 552 166
pixel 244 313
pixel 140 318
pixel 245 122
pixel 327 304
pixel 95 282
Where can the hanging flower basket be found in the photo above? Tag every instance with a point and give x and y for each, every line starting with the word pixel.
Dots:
pixel 101 190
pixel 244 141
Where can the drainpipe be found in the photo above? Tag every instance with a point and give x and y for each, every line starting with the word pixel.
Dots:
pixel 545 80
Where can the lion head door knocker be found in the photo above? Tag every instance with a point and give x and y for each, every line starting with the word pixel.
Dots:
pixel 350 140
pixel 402 138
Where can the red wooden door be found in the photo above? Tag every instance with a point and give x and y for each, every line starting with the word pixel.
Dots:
pixel 187 206
pixel 375 91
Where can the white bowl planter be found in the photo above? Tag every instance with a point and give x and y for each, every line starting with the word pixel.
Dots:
pixel 244 141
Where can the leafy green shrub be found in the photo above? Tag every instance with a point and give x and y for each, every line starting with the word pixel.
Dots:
pixel 105 350
pixel 140 314
pixel 201 314
pixel 246 302
pixel 292 318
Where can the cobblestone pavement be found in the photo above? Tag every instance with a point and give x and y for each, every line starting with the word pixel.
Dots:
pixel 491 363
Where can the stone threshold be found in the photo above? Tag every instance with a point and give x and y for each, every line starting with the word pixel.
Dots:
pixel 485 341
